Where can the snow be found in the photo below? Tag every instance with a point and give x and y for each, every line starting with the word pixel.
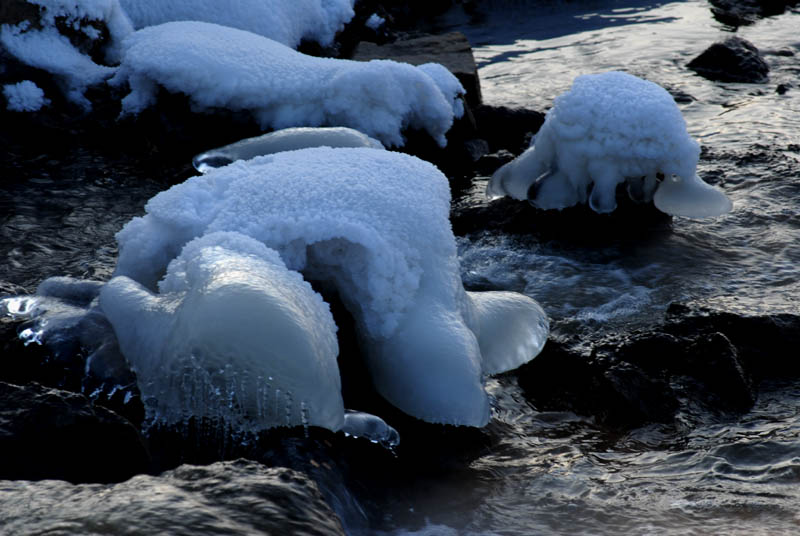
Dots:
pixel 233 335
pixel 46 48
pixel 374 225
pixel 288 139
pixel 285 22
pixel 220 67
pixel 24 96
pixel 374 22
pixel 608 129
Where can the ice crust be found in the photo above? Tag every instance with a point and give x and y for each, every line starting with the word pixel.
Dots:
pixel 287 139
pixel 233 335
pixel 285 22
pixel 220 67
pixel 608 129
pixel 372 224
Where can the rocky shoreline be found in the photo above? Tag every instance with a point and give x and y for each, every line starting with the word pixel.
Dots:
pixel 701 359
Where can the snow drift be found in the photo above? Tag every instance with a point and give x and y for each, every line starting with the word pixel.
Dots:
pixel 609 129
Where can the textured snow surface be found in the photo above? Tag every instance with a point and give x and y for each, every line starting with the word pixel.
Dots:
pixel 372 224
pixel 608 129
pixel 221 67
pixel 282 21
pixel 46 48
pixel 24 96
pixel 232 335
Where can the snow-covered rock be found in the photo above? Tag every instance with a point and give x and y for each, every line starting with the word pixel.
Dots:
pixel 609 129
pixel 285 22
pixel 371 224
pixel 44 43
pixel 24 96
pixel 221 67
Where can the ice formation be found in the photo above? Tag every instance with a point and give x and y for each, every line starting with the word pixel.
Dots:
pixel 232 335
pixel 24 96
pixel 220 67
pixel 285 22
pixel 43 46
pixel 609 129
pixel 287 139
pixel 373 225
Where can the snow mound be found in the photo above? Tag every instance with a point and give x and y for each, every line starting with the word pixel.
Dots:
pixel 609 129
pixel 43 46
pixel 24 96
pixel 287 139
pixel 285 22
pixel 374 226
pixel 220 67
pixel 233 335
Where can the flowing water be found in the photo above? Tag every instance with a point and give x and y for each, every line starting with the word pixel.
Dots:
pixel 547 472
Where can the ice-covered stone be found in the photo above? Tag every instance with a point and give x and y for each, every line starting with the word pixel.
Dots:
pixel 609 129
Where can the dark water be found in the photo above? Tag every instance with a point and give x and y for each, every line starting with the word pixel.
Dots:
pixel 545 472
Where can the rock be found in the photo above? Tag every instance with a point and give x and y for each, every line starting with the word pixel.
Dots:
pixel 451 50
pixel 52 434
pixel 765 343
pixel 733 60
pixel 743 12
pixel 507 128
pixel 237 497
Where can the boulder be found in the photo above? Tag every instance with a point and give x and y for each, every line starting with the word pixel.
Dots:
pixel 451 50
pixel 743 12
pixel 733 60
pixel 52 434
pixel 237 497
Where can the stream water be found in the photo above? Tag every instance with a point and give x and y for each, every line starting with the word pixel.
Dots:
pixel 546 472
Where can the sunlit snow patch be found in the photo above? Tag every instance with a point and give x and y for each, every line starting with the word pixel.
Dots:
pixel 287 139
pixel 220 67
pixel 609 129
pixel 374 226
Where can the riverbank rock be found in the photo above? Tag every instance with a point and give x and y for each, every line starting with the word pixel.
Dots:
pixel 451 50
pixel 703 358
pixel 237 497
pixel 52 434
pixel 733 60
pixel 744 12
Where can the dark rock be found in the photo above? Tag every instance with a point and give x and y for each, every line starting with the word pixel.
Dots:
pixel 507 128
pixel 238 497
pixel 51 434
pixel 782 89
pixel 765 343
pixel 451 50
pixel 617 394
pixel 743 12
pixel 733 60
pixel 15 11
pixel 715 361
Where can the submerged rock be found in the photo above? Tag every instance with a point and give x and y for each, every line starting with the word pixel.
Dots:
pixel 52 434
pixel 238 497
pixel 733 60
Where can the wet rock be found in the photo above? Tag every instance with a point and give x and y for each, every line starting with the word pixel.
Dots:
pixel 620 395
pixel 52 434
pixel 238 497
pixel 743 12
pixel 507 128
pixel 765 343
pixel 451 50
pixel 733 60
